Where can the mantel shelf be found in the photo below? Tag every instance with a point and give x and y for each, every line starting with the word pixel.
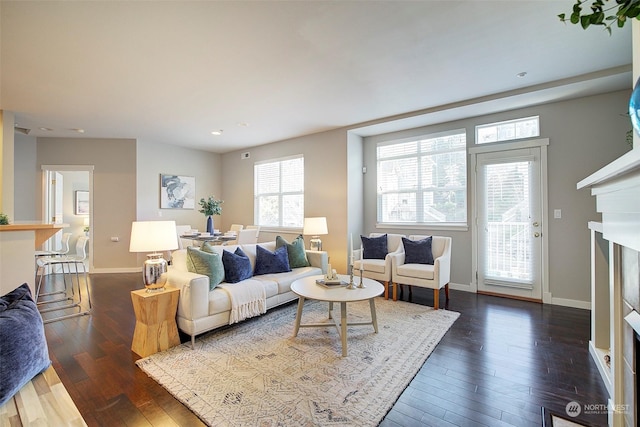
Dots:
pixel 621 166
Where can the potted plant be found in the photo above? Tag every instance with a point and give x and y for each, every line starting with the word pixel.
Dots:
pixel 4 219
pixel 210 207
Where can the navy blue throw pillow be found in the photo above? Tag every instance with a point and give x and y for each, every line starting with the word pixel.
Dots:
pixel 23 346
pixel 418 251
pixel 271 262
pixel 237 266
pixel 374 247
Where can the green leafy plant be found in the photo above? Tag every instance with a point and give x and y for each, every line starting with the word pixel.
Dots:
pixel 603 13
pixel 211 206
pixel 4 219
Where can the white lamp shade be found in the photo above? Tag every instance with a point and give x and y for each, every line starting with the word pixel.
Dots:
pixel 153 236
pixel 315 226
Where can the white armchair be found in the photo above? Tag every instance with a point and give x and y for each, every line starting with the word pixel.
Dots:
pixel 434 276
pixel 379 269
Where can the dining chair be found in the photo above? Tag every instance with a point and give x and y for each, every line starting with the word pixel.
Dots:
pixel 247 236
pixel 180 231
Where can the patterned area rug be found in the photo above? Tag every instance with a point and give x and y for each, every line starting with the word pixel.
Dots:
pixel 256 374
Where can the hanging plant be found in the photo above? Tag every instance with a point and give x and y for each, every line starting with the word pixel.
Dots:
pixel 211 206
pixel 603 12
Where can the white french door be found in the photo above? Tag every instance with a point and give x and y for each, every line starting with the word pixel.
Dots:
pixel 509 223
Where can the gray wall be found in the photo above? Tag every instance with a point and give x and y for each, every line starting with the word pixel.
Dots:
pixel 325 162
pixel 155 159
pixel 25 173
pixel 584 135
pixel 114 192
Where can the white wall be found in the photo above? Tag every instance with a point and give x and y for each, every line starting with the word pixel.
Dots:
pixel 73 181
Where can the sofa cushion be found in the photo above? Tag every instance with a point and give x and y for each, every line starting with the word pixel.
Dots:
pixel 271 262
pixel 23 345
pixel 295 251
pixel 209 264
pixel 418 251
pixel 237 266
pixel 374 247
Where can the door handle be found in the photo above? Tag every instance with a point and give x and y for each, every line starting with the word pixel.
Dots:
pixel 536 234
pixel 535 224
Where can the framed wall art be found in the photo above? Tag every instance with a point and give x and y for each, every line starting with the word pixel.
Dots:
pixel 82 203
pixel 177 192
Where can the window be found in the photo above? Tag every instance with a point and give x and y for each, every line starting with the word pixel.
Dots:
pixel 279 192
pixel 424 180
pixel 527 127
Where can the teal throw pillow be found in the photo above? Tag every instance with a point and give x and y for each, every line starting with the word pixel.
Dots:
pixel 271 262
pixel 295 251
pixel 237 266
pixel 209 264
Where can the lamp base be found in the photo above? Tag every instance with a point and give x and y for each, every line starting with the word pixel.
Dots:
pixel 154 266
pixel 315 244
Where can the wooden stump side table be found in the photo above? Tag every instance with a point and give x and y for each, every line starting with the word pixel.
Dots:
pixel 156 328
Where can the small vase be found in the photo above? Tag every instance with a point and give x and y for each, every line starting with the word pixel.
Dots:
pixel 210 225
pixel 634 108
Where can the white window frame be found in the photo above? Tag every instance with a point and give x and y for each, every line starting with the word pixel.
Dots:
pixel 280 194
pixel 457 226
pixel 505 123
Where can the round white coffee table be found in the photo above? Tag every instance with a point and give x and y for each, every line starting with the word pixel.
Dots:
pixel 307 288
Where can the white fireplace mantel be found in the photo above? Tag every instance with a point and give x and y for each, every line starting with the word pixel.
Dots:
pixel 617 191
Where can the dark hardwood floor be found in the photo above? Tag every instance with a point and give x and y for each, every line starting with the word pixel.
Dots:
pixel 499 364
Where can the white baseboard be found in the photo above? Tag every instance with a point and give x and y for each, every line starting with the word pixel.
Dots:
pixel 116 270
pixel 586 305
pixel 461 287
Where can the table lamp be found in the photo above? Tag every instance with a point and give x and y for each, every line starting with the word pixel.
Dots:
pixel 315 227
pixel 154 237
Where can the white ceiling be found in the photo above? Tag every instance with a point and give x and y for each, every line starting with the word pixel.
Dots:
pixel 173 71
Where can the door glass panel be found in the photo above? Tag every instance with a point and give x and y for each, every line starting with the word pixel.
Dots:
pixel 508 247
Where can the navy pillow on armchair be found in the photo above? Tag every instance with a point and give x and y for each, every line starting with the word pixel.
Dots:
pixel 374 247
pixel 23 345
pixel 418 251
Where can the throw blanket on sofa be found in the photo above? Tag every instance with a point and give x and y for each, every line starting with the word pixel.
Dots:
pixel 248 300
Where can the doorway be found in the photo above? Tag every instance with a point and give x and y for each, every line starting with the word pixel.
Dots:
pixel 62 185
pixel 510 205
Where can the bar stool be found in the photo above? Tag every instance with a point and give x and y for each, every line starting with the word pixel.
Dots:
pixel 66 263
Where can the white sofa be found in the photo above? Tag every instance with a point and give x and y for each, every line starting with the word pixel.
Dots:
pixel 201 310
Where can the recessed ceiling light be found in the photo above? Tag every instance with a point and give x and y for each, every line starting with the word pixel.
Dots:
pixel 45 129
pixel 217 132
pixel 243 124
pixel 78 130
pixel 521 75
